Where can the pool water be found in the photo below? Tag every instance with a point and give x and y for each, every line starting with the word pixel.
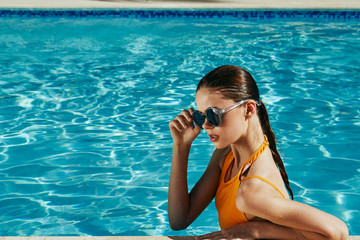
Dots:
pixel 85 104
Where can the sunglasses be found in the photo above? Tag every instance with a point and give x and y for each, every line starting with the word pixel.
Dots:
pixel 213 115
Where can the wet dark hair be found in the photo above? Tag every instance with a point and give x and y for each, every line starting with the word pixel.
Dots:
pixel 237 84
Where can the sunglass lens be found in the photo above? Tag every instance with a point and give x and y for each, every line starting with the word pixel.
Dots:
pixel 213 117
pixel 199 118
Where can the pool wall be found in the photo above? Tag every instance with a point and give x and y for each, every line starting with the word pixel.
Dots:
pixel 245 14
pixel 258 4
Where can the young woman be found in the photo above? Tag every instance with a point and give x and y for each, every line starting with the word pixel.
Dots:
pixel 245 174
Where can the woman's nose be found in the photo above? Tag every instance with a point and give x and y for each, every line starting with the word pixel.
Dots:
pixel 207 124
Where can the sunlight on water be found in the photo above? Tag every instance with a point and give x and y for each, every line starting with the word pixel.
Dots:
pixel 85 104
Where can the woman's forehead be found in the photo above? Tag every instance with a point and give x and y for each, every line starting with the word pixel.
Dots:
pixel 206 98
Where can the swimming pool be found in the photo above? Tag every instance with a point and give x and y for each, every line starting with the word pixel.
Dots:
pixel 86 97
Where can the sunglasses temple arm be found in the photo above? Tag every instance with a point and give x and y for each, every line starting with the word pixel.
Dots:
pixel 233 106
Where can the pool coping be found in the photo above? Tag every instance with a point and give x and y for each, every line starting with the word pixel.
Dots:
pixel 104 238
pixel 178 4
pixel 118 238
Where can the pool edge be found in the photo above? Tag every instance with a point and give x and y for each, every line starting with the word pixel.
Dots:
pixel 179 4
pixel 117 238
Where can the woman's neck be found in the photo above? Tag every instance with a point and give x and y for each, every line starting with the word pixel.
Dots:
pixel 246 145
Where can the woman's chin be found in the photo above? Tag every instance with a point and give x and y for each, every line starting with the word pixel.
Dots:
pixel 219 145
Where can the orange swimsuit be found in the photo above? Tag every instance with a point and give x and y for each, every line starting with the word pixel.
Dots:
pixel 225 198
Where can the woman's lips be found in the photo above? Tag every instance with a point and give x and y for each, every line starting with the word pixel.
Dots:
pixel 213 138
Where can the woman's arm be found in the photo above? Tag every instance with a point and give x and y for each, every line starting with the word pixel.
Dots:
pixel 269 230
pixel 286 219
pixel 262 230
pixel 256 230
pixel 178 198
pixel 184 208
pixel 264 202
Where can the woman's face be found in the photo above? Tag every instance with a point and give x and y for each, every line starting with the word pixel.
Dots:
pixel 233 124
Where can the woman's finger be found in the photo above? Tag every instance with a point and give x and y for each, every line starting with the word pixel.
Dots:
pixel 187 115
pixel 182 120
pixel 212 236
pixel 175 124
pixel 191 111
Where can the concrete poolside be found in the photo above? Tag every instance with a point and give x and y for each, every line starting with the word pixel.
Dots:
pixel 274 4
pixel 114 238
pixel 106 238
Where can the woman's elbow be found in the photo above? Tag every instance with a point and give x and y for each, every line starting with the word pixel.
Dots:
pixel 339 232
pixel 177 225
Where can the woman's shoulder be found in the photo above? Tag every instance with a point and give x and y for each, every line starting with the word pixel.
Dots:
pixel 263 179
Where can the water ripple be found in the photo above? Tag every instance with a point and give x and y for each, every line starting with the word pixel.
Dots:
pixel 84 109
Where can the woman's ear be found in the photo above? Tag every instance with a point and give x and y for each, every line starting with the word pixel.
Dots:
pixel 250 108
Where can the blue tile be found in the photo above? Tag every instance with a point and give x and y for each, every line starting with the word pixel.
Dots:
pixel 331 15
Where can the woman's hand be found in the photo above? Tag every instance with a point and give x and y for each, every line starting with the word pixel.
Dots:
pixel 257 230
pixel 235 233
pixel 182 128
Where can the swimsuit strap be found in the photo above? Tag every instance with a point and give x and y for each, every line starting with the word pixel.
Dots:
pixel 254 156
pixel 265 180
